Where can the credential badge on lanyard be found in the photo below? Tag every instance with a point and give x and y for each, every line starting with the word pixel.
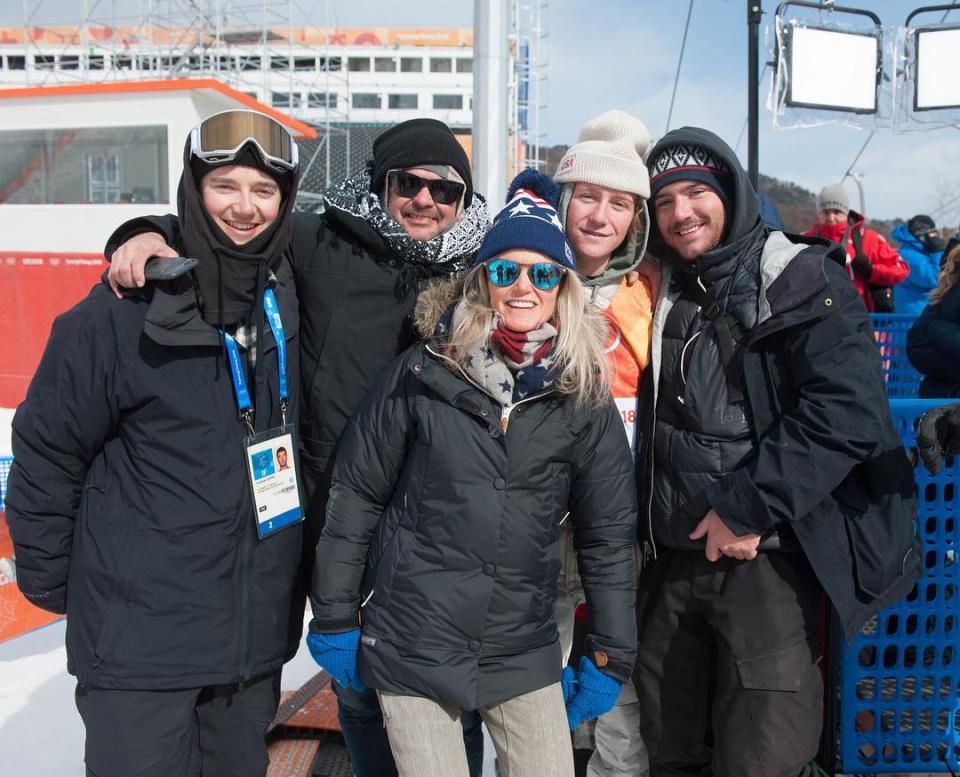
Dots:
pixel 270 454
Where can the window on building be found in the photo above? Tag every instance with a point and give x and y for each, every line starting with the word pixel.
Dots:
pixel 89 165
pixel 96 62
pixel 441 65
pixel 285 99
pixel 411 64
pixel 279 63
pixel 249 62
pixel 120 63
pixel 321 100
pixel 330 64
pixel 465 65
pixel 447 102
pixel 402 102
pixel 144 63
pixel 44 61
pixel 16 62
pixel 69 61
pixel 225 62
pixel 303 64
pixel 385 64
pixel 365 100
pixel 359 64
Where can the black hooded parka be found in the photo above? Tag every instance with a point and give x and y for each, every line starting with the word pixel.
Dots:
pixel 129 502
pixel 808 453
pixel 456 522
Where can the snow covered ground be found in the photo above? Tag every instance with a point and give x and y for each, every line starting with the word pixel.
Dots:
pixel 41 734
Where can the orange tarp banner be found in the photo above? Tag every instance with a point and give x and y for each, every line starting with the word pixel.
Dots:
pixel 37 288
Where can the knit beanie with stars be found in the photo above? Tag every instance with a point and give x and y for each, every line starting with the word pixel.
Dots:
pixel 529 221
pixel 690 162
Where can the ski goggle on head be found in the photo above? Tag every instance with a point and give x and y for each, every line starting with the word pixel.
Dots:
pixel 221 137
pixel 546 276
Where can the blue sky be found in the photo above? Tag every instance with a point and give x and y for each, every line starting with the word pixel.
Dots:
pixel 623 54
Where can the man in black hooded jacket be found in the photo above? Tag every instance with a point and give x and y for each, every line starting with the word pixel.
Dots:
pixel 410 217
pixel 129 502
pixel 772 474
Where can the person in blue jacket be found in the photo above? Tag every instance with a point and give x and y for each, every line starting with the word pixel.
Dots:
pixel 921 247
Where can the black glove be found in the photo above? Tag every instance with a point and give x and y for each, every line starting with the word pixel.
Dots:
pixel 938 435
pixel 862 265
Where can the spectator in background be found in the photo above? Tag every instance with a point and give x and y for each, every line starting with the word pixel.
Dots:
pixel 921 247
pixel 872 264
pixel 933 343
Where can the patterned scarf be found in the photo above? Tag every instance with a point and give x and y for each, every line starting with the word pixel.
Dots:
pixel 455 246
pixel 517 366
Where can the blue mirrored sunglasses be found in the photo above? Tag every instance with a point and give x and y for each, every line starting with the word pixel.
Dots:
pixel 544 275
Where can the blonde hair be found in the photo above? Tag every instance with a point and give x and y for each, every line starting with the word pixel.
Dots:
pixel 948 276
pixel 580 348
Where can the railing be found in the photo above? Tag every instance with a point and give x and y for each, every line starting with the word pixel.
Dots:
pixel 899 699
pixel 901 379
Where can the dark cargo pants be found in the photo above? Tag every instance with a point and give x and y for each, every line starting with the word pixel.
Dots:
pixel 217 731
pixel 727 666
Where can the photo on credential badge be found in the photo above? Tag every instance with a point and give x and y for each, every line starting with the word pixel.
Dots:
pixel 262 464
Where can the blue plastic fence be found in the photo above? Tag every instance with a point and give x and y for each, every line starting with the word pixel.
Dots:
pixel 902 380
pixel 900 679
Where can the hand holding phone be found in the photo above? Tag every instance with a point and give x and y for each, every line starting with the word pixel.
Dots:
pixel 168 268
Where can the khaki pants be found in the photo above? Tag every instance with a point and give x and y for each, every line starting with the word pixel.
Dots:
pixel 529 732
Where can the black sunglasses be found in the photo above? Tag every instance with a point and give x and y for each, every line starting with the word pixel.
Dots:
pixel 442 191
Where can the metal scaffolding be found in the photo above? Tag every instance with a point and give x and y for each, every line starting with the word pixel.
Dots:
pixel 528 88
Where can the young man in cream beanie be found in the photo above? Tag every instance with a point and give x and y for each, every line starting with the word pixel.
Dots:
pixel 603 205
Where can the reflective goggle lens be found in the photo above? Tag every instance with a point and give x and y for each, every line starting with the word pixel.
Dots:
pixel 442 191
pixel 220 137
pixel 505 272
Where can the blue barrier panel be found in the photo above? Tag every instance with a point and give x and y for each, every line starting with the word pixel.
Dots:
pixel 901 379
pixel 900 679
pixel 5 462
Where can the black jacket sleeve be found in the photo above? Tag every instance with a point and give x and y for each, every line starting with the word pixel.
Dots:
pixel 933 345
pixel 372 453
pixel 59 429
pixel 168 226
pixel 603 500
pixel 837 420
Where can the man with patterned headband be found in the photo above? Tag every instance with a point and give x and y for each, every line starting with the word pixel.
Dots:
pixel 410 217
pixel 144 501
pixel 770 474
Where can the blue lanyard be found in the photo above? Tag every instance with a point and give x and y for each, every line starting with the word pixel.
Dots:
pixel 244 405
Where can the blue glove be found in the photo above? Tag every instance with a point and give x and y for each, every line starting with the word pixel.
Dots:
pixel 337 653
pixel 594 693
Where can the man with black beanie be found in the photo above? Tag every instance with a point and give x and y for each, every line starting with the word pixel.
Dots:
pixel 409 217
pixel 766 456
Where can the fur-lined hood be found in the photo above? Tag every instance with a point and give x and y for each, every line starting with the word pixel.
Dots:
pixel 435 305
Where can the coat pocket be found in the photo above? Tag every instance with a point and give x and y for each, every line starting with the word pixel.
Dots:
pixel 120 593
pixel 880 532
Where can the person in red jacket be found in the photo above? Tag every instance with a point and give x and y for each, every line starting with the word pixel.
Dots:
pixel 876 264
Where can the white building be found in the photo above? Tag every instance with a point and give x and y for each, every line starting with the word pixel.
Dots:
pixel 375 75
